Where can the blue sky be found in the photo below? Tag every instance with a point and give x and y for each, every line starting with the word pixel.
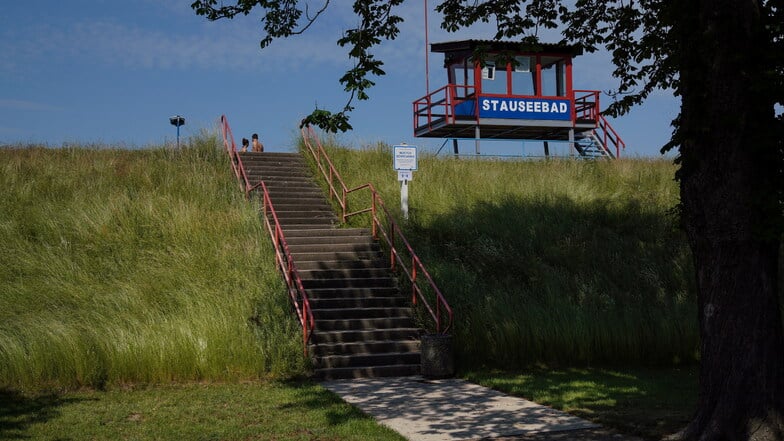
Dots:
pixel 112 72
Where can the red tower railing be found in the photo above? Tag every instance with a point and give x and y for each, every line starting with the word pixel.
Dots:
pixel 447 104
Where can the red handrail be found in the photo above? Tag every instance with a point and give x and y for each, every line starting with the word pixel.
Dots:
pixel 586 106
pixel 236 161
pixel 608 135
pixel 285 262
pixel 283 258
pixel 394 234
pixel 423 107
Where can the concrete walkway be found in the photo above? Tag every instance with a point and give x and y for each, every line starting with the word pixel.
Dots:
pixel 451 410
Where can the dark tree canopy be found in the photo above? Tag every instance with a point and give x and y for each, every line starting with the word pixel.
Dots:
pixel 639 34
pixel 725 60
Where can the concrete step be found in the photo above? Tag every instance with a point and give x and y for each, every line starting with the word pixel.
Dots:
pixel 291 226
pixel 281 176
pixel 340 264
pixel 329 232
pixel 366 324
pixel 295 205
pixel 369 291
pixel 346 282
pixel 278 169
pixel 360 313
pixel 334 247
pixel 287 212
pixel 295 191
pixel 294 194
pixel 282 160
pixel 399 370
pixel 331 240
pixel 271 157
pixel 343 273
pixel 298 222
pixel 352 336
pixel 366 360
pixel 290 187
pixel 365 348
pixel 359 302
pixel 365 282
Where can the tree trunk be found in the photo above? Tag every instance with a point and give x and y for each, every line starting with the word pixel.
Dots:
pixel 730 180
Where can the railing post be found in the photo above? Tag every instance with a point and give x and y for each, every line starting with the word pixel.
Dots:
pixel 449 98
pixel 574 108
pixel 413 280
pixel 429 111
pixel 392 246
pixel 331 185
pixel 305 336
pixel 373 227
pixel 344 203
pixel 438 316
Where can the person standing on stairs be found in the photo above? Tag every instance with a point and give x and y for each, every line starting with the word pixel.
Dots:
pixel 257 146
pixel 245 144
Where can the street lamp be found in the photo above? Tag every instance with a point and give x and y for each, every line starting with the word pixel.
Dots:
pixel 177 121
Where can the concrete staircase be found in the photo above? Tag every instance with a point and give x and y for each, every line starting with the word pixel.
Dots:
pixel 364 325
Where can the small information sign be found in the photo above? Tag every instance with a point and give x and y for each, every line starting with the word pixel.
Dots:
pixel 405 157
pixel 405 175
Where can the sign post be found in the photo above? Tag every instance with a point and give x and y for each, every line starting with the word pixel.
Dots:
pixel 177 121
pixel 405 162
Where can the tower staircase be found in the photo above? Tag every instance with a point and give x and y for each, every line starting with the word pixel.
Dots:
pixel 589 146
pixel 363 324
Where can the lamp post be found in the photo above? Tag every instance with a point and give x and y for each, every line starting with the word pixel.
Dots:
pixel 177 121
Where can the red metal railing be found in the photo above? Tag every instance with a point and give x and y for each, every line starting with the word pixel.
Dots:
pixel 383 225
pixel 283 258
pixel 231 149
pixel 609 137
pixel 586 105
pixel 440 105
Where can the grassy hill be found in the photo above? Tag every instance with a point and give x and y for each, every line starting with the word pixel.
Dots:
pixel 147 266
pixel 557 262
pixel 121 266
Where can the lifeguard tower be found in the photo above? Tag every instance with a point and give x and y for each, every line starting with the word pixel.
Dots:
pixel 512 91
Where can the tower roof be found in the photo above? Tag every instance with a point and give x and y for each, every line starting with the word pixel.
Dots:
pixel 470 46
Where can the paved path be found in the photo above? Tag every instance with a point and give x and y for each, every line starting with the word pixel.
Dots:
pixel 452 410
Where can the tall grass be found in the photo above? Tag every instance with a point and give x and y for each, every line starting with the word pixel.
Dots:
pixel 135 266
pixel 555 262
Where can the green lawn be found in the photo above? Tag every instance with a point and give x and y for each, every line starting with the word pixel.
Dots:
pixel 650 403
pixel 646 402
pixel 237 411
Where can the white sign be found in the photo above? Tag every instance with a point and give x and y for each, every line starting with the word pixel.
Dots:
pixel 405 175
pixel 405 157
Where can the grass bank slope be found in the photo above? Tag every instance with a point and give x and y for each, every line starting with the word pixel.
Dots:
pixel 556 262
pixel 135 266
